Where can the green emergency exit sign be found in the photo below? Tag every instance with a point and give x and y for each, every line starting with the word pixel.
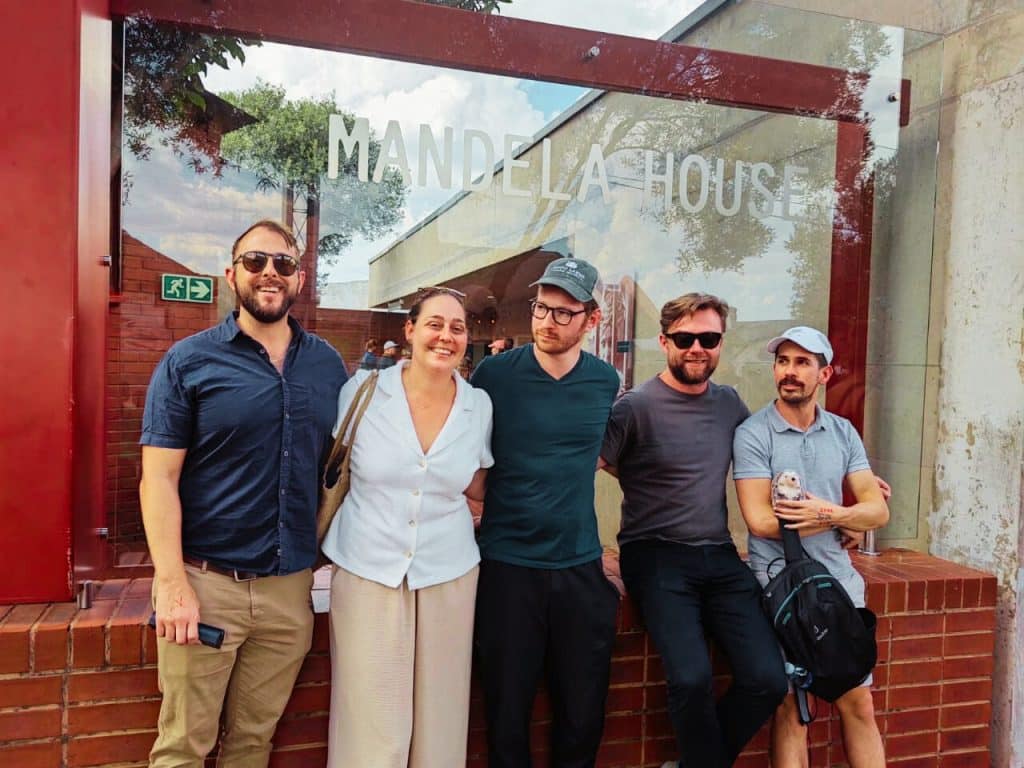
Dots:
pixel 198 290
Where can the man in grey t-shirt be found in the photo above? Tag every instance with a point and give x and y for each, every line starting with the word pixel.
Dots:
pixel 669 442
pixel 824 450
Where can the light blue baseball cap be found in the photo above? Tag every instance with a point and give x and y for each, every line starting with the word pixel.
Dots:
pixel 811 339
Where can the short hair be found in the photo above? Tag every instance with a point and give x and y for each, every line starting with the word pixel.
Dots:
pixel 371 344
pixel 274 226
pixel 689 304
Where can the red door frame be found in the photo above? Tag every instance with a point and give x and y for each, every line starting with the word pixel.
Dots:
pixel 444 37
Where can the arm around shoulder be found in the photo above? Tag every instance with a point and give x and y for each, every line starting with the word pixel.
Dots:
pixel 869 510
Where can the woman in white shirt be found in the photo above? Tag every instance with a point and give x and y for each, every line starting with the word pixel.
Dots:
pixel 406 561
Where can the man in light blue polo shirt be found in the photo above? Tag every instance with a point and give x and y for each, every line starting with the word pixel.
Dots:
pixel 794 433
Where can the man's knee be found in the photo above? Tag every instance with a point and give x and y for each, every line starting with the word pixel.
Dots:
pixel 763 675
pixel 687 682
pixel 857 705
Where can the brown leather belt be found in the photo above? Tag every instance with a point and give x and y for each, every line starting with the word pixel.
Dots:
pixel 206 565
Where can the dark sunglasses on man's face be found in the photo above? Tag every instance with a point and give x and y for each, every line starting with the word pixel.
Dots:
pixel 684 339
pixel 256 261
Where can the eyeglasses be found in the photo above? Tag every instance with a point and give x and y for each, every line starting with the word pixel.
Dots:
pixel 560 315
pixel 256 261
pixel 685 339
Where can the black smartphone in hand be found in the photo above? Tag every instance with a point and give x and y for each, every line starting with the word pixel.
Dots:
pixel 208 635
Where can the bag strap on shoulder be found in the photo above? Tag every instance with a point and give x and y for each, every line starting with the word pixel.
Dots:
pixel 356 409
pixel 791 545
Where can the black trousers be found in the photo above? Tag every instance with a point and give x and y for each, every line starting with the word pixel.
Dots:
pixel 684 592
pixel 529 619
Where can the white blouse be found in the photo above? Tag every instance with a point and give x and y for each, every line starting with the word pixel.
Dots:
pixel 405 515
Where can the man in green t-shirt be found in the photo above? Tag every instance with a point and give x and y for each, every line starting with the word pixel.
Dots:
pixel 543 595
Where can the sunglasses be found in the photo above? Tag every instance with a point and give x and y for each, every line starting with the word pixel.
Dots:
pixel 440 290
pixel 685 339
pixel 256 261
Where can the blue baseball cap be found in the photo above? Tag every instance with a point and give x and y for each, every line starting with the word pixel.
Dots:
pixel 811 339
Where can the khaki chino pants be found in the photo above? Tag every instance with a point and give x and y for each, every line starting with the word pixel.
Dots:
pixel 268 629
pixel 400 669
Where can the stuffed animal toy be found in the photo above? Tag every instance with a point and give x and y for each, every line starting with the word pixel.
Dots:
pixel 786 485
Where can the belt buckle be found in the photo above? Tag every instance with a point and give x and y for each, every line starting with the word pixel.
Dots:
pixel 243 576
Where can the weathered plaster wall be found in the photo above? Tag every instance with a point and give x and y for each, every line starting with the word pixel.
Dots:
pixel 976 517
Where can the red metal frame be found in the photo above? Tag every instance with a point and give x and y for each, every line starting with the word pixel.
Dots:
pixel 445 37
pixel 53 159
pixel 850 274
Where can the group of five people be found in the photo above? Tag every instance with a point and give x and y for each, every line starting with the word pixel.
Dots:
pixel 239 420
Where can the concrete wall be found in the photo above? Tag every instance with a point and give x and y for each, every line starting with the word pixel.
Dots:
pixel 977 329
pixel 976 517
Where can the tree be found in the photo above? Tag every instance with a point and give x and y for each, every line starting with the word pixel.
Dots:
pixel 163 73
pixel 287 149
pixel 164 68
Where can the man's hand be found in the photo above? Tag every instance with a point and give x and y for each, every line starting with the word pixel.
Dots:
pixel 884 487
pixel 610 563
pixel 812 512
pixel 849 539
pixel 177 612
pixel 476 509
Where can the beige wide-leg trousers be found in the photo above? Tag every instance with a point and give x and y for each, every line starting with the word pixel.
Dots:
pixel 400 667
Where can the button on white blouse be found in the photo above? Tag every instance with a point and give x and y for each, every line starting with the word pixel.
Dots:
pixel 405 515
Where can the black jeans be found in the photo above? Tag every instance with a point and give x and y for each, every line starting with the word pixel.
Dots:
pixel 524 617
pixel 684 591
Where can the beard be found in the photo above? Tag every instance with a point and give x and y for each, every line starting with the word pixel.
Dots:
pixel 693 375
pixel 249 298
pixel 557 344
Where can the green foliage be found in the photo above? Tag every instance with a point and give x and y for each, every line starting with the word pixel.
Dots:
pixel 163 89
pixel 287 149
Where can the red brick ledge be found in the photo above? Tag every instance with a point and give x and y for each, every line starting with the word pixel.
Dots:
pixel 78 687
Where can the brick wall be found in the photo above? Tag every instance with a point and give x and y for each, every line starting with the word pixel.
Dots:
pixel 348 329
pixel 78 688
pixel 142 328
pixel 140 331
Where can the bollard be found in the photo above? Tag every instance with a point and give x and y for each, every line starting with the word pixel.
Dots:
pixel 869 547
pixel 86 592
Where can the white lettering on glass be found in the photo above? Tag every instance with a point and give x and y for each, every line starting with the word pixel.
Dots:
pixel 594 173
pixel 507 187
pixel 392 152
pixel 687 183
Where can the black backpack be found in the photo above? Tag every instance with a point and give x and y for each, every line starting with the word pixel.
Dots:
pixel 818 625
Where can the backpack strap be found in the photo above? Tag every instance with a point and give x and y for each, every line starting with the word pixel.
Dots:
pixel 791 545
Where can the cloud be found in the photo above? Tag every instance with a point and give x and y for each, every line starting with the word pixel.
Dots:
pixel 639 18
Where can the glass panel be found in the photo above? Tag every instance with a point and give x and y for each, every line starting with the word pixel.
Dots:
pixel 649 19
pixel 477 181
pixel 902 354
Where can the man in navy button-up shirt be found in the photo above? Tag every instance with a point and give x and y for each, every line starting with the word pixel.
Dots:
pixel 236 429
